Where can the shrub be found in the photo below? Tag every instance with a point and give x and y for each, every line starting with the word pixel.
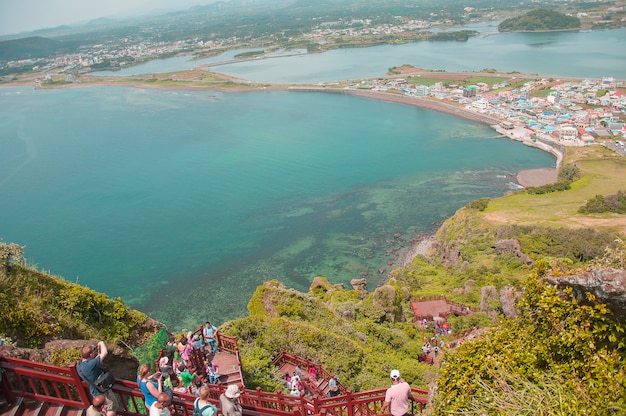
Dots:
pixel 556 345
pixel 479 204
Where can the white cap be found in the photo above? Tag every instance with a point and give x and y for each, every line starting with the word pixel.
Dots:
pixel 395 375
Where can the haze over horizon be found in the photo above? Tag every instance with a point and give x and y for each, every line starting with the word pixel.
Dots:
pixel 28 15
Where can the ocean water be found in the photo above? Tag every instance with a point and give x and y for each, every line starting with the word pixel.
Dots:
pixel 182 203
pixel 578 54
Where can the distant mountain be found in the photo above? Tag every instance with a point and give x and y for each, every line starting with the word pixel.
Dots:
pixel 31 47
pixel 539 20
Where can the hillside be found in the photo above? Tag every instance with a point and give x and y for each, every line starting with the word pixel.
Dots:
pixel 31 48
pixel 488 255
pixel 37 308
pixel 539 20
pixel 468 265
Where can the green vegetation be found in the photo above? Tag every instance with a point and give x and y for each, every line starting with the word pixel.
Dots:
pixel 540 20
pixel 577 245
pixel 479 204
pixel 425 81
pixel 558 357
pixel 250 54
pixel 603 173
pixel 611 203
pixel 359 339
pixel 459 35
pixel 31 47
pixel 568 174
pixel 37 308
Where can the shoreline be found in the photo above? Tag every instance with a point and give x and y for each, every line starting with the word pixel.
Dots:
pixel 525 178
pixel 420 245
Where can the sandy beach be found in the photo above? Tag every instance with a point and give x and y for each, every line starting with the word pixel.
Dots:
pixel 537 177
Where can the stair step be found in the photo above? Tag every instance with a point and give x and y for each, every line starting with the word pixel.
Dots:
pixel 55 410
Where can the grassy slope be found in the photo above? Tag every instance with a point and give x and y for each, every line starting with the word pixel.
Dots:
pixel 604 174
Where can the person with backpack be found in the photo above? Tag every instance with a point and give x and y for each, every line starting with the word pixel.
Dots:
pixel 89 369
pixel 202 406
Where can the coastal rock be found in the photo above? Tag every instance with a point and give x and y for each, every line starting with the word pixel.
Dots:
pixel 508 299
pixel 359 284
pixel 487 294
pixel 512 247
pixel 607 284
pixel 451 256
pixel 320 283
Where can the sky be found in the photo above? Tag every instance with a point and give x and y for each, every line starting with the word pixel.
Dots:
pixel 17 16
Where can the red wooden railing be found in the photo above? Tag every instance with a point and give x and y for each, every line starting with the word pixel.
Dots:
pixel 285 357
pixel 63 386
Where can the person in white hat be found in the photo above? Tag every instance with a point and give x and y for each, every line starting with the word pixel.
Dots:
pixel 397 396
pixel 228 401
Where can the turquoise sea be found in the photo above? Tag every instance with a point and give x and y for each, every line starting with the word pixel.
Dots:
pixel 182 203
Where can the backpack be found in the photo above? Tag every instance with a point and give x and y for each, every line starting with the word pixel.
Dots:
pixel 199 411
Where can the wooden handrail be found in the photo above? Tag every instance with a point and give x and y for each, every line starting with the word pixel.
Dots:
pixel 63 386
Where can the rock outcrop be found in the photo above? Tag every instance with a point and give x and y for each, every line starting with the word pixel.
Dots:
pixel 512 247
pixel 508 299
pixel 359 284
pixel 487 294
pixel 451 256
pixel 607 284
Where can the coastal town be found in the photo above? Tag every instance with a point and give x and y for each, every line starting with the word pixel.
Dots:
pixel 573 113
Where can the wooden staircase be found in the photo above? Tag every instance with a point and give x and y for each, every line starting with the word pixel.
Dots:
pixel 287 363
pixel 23 407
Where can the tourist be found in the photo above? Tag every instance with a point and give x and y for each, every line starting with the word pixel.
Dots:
pixel 210 336
pixel 170 350
pixel 97 406
pixel 185 375
pixel 228 401
pixel 161 406
pixel 287 381
pixel 184 349
pixel 194 387
pixel 333 391
pixel 212 372
pixel 397 396
pixel 89 369
pixel 312 372
pixel 203 404
pixel 165 367
pixel 197 343
pixel 151 385
pixel 333 381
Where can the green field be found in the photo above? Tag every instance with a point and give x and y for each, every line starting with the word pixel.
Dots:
pixel 604 173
